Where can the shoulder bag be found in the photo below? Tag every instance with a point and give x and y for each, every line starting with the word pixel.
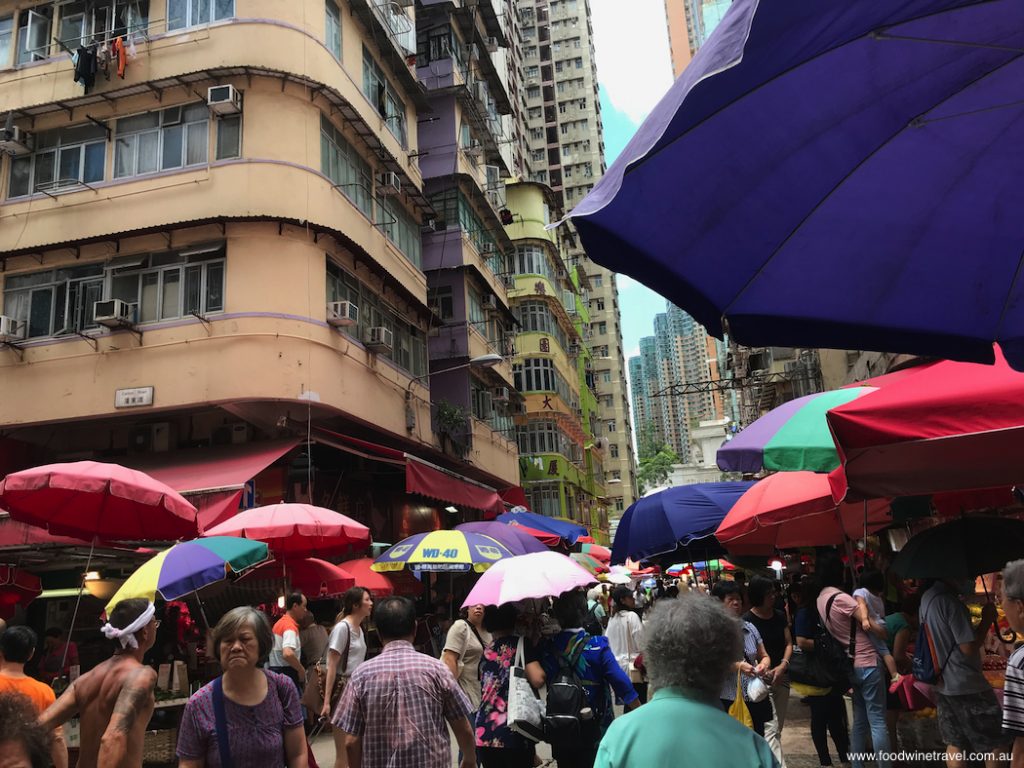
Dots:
pixel 221 723
pixel 314 692
pixel 525 707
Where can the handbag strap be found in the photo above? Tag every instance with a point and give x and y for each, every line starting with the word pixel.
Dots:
pixel 221 722
pixel 483 645
pixel 852 647
pixel 348 646
pixel 520 660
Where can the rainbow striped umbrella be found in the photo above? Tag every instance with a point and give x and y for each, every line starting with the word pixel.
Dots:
pixel 790 438
pixel 189 566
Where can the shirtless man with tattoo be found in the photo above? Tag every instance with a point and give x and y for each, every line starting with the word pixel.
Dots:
pixel 114 701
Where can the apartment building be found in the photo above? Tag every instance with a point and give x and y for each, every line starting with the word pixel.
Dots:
pixel 565 150
pixel 562 456
pixel 212 256
pixel 689 23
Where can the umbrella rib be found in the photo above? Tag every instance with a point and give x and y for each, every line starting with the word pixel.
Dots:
pixel 636 164
pixel 851 172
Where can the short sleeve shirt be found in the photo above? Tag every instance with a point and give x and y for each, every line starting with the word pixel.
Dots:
pixel 491 727
pixel 773 632
pixel 40 694
pixel 398 704
pixel 255 734
pixel 286 635
pixel 751 639
pixel 356 640
pixel 467 646
pixel 949 622
pixel 1013 695
pixel 838 625
pixel 894 624
pixel 806 623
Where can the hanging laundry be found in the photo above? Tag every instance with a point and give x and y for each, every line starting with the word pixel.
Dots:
pixel 132 51
pixel 85 67
pixel 120 55
pixel 103 60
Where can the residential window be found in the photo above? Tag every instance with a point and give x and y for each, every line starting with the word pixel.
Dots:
pixel 606 377
pixel 440 300
pixel 613 450
pixel 453 208
pixel 545 499
pixel 182 14
pixel 34 33
pixel 54 302
pixel 62 158
pixel 6 34
pixel 383 97
pixel 166 286
pixel 332 32
pixel 341 163
pixel 536 317
pixel 534 260
pixel 538 374
pixel 619 504
pixel 170 138
pixel 229 137
pixel 610 426
pixel 602 328
pixel 410 350
pixel 400 228
pixel 597 280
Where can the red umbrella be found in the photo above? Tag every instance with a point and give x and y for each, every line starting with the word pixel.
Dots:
pixel 297 529
pixel 312 576
pixel 16 587
pixel 547 539
pixel 951 426
pixel 94 500
pixel 379 584
pixel 794 509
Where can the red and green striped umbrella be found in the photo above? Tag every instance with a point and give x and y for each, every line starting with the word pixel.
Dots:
pixel 793 437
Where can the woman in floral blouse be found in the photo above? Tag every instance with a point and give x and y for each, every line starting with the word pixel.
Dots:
pixel 498 746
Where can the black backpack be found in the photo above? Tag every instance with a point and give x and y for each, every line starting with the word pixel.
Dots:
pixel 565 723
pixel 592 624
pixel 834 661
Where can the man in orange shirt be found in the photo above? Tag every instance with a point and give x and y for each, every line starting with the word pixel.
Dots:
pixel 18 644
pixel 286 656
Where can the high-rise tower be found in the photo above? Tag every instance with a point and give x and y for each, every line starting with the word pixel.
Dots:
pixel 565 144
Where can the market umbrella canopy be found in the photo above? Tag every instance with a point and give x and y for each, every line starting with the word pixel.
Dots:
pixel 962 549
pixel 189 566
pixel 514 539
pixel 455 551
pixel 310 575
pixel 796 509
pixel 949 427
pixel 834 174
pixel 675 517
pixel 381 584
pixel 593 565
pixel 789 438
pixel 597 552
pixel 297 529
pixel 17 587
pixel 95 500
pixel 537 575
pixel 569 531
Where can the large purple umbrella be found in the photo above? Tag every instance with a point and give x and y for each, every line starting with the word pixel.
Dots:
pixel 829 173
pixel 516 542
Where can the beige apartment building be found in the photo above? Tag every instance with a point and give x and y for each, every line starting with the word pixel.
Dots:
pixel 565 144
pixel 211 255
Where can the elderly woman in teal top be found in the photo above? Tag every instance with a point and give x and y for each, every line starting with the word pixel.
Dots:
pixel 690 646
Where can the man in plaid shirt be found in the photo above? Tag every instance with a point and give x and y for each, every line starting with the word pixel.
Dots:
pixel 395 706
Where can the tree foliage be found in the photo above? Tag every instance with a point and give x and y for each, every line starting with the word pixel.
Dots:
pixel 655 469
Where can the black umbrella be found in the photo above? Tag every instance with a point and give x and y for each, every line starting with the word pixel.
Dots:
pixel 961 549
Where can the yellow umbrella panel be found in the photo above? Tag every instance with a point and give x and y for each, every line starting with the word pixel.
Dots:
pixel 444 551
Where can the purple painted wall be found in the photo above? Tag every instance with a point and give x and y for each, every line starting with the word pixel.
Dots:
pixel 444 250
pixel 438 139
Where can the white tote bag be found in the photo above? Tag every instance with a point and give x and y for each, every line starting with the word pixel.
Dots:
pixel 525 708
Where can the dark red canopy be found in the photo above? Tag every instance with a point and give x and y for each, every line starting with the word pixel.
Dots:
pixel 951 426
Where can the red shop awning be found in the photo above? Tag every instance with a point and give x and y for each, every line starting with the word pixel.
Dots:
pixel 213 479
pixel 16 535
pixel 515 496
pixel 421 477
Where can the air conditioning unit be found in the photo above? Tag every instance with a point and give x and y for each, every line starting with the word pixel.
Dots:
pixel 342 314
pixel 532 81
pixel 16 141
pixel 113 313
pixel 509 281
pixel 501 394
pixel 491 44
pixel 601 443
pixel 389 183
pixel 10 330
pixel 487 301
pixel 488 248
pixel 474 150
pixel 379 339
pixel 574 348
pixel 562 274
pixel 224 100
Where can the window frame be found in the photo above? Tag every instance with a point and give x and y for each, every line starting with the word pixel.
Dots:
pixel 56 150
pixel 166 124
pixel 189 22
pixel 333 35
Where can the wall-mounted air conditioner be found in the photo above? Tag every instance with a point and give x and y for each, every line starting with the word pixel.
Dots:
pixel 342 314
pixel 16 141
pixel 389 183
pixel 379 339
pixel 224 100
pixel 10 330
pixel 113 313
pixel 487 301
pixel 501 394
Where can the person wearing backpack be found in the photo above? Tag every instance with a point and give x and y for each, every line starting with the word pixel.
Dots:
pixel 597 617
pixel 578 670
pixel 843 616
pixel 970 719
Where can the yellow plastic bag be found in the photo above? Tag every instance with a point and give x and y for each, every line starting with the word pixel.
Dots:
pixel 739 709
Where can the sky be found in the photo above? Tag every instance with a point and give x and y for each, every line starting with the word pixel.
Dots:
pixel 634 70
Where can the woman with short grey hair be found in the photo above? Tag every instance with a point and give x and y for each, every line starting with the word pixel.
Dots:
pixel 1013 687
pixel 690 646
pixel 248 716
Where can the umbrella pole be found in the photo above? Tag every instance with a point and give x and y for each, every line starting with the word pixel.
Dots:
pixel 202 609
pixel 78 602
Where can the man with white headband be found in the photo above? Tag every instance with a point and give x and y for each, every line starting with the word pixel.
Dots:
pixel 114 701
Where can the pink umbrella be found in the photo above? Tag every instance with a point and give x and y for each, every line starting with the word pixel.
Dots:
pixel 297 529
pixel 312 576
pixel 539 574
pixel 94 500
